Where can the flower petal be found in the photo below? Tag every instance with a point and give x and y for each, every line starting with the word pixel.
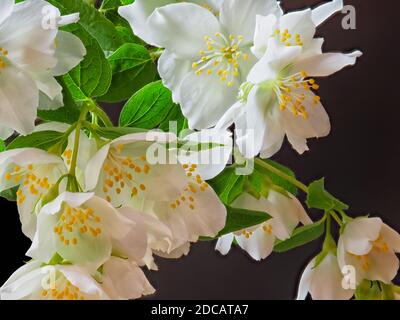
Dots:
pixel 325 64
pixel 259 245
pixel 224 244
pixel 239 17
pixel 19 98
pixel 323 12
pixel 359 234
pixel 137 15
pixel 181 28
pixel 69 52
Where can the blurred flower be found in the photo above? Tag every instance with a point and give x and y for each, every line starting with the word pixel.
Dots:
pixel 32 52
pixel 286 212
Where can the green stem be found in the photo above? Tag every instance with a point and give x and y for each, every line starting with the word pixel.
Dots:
pixel 281 174
pixel 156 54
pixel 336 217
pixel 102 115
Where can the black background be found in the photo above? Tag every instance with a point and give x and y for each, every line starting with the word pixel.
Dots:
pixel 360 160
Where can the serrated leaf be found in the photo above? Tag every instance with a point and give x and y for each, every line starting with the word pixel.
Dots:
pixel 41 140
pixel 149 108
pixel 132 68
pixel 116 132
pixel 239 219
pixel 93 75
pixel 319 198
pixel 228 185
pixel 277 180
pixel 301 236
pixel 92 21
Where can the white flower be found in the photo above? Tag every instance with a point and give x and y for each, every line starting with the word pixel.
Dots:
pixel 123 279
pixel 286 212
pixel 206 57
pixel 279 100
pixel 32 52
pixel 370 246
pixel 139 12
pixel 177 205
pixel 35 172
pixel 323 282
pixel 59 282
pixel 84 229
pixel 118 279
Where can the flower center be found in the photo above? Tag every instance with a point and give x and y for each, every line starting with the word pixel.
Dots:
pixel 294 94
pixel 222 57
pixel 197 184
pixel 31 183
pixel 122 174
pixel 288 39
pixel 83 220
pixel 63 289
pixel 3 56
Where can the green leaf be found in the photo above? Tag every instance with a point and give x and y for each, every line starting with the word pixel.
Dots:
pixel 114 4
pixel 93 75
pixel 228 185
pixel 69 113
pixel 2 145
pixel 239 219
pixel 150 107
pixel 132 68
pixel 41 140
pixel 116 132
pixel 277 180
pixel 10 194
pixel 319 198
pixel 369 290
pixel 301 236
pixel 92 21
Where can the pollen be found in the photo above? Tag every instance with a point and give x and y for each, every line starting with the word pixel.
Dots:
pixel 295 94
pixel 222 57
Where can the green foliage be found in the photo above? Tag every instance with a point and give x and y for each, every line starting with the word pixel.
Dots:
pixel 319 198
pixel 239 219
pixel 151 107
pixel 132 68
pixel 301 236
pixel 93 22
pixel 228 185
pixel 40 140
pixel 93 75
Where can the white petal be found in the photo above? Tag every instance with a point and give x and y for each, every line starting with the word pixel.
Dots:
pixel 239 17
pixel 124 280
pixel 46 103
pixel 6 7
pixel 69 52
pixel 392 237
pixel 80 278
pixel 305 281
pixel 173 70
pixel 68 19
pixel 265 27
pixel 326 282
pixel 359 234
pixel 177 253
pixel 134 244
pixel 181 28
pixel 94 167
pixel 210 162
pixel 259 245
pixel 224 244
pixel 382 266
pixel 47 84
pixel 5 132
pixel 323 12
pixel 327 63
pixel 204 99
pixel 19 98
pixel 137 15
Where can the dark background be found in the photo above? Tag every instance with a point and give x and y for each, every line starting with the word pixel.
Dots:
pixel 360 160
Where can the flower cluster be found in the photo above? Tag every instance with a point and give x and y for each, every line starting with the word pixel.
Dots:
pixel 100 202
